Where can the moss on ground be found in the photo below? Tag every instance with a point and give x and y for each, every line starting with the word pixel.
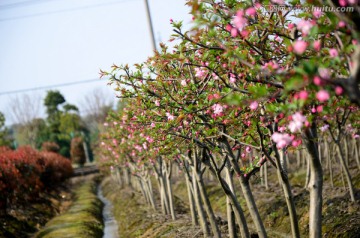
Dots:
pixel 83 219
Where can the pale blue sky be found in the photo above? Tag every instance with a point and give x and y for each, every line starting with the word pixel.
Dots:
pixel 47 42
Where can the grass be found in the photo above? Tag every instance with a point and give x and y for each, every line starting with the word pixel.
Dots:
pixel 82 220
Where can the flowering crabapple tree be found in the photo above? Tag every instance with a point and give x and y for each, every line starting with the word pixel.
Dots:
pixel 244 82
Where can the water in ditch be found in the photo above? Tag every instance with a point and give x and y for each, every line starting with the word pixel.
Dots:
pixel 110 225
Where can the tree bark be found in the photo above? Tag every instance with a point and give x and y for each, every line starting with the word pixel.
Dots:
pixel 315 183
pixel 200 208
pixel 283 179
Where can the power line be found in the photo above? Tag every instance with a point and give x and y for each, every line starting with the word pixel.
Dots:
pixel 49 86
pixel 21 4
pixel 64 10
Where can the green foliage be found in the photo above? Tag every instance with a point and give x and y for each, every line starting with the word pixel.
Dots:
pixel 4 133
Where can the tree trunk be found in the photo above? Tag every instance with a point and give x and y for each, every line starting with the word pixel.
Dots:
pixel 200 208
pixel 250 201
pixel 346 171
pixel 168 172
pixel 315 183
pixel 356 153
pixel 235 207
pixel 190 191
pixel 207 205
pixel 283 179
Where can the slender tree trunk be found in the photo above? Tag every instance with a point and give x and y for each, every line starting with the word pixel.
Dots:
pixel 207 206
pixel 308 171
pixel 283 179
pixel 200 208
pixel 346 171
pixel 331 172
pixel 250 201
pixel 169 189
pixel 315 183
pixel 356 153
pixel 190 191
pixel 245 187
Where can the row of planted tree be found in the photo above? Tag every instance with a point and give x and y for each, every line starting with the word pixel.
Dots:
pixel 246 88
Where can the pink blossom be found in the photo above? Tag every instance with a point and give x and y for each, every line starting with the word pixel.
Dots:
pixel 296 143
pixel 279 39
pixel 281 128
pixel 250 11
pixel 240 21
pixel 149 139
pixel 254 105
pixel 232 79
pixel 280 2
pixel 317 12
pixel 170 117
pixel 183 82
pixel 244 33
pixel 152 124
pixel 106 124
pixel 333 52
pixel 144 146
pixel 291 26
pixel 300 47
pixel 217 108
pixel 157 103
pixel 318 81
pixel 341 24
pixel 138 147
pixel 355 136
pixel 317 45
pixel 324 127
pixel 248 149
pixel 319 108
pixel 281 140
pixel 322 95
pixel 303 95
pixel 200 72
pixel 324 73
pixel 352 2
pixel 342 3
pixel 339 90
pixel 234 32
pixel 304 26
pixel 297 122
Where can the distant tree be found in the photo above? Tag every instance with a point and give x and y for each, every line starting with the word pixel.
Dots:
pixel 24 110
pixel 52 102
pixel 95 108
pixel 63 120
pixel 78 155
pixel 4 135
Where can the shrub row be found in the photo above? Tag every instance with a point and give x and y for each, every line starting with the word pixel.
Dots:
pixel 25 172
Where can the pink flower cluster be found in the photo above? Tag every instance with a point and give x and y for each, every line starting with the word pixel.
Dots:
pixel 199 72
pixel 297 122
pixel 218 109
pixel 240 20
pixel 281 140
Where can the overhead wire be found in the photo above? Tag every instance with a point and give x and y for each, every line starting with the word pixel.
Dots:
pixel 64 10
pixel 23 3
pixel 49 86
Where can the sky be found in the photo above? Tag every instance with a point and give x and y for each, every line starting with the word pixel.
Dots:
pixel 52 42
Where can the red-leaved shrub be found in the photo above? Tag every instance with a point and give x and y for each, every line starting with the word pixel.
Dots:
pixel 25 172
